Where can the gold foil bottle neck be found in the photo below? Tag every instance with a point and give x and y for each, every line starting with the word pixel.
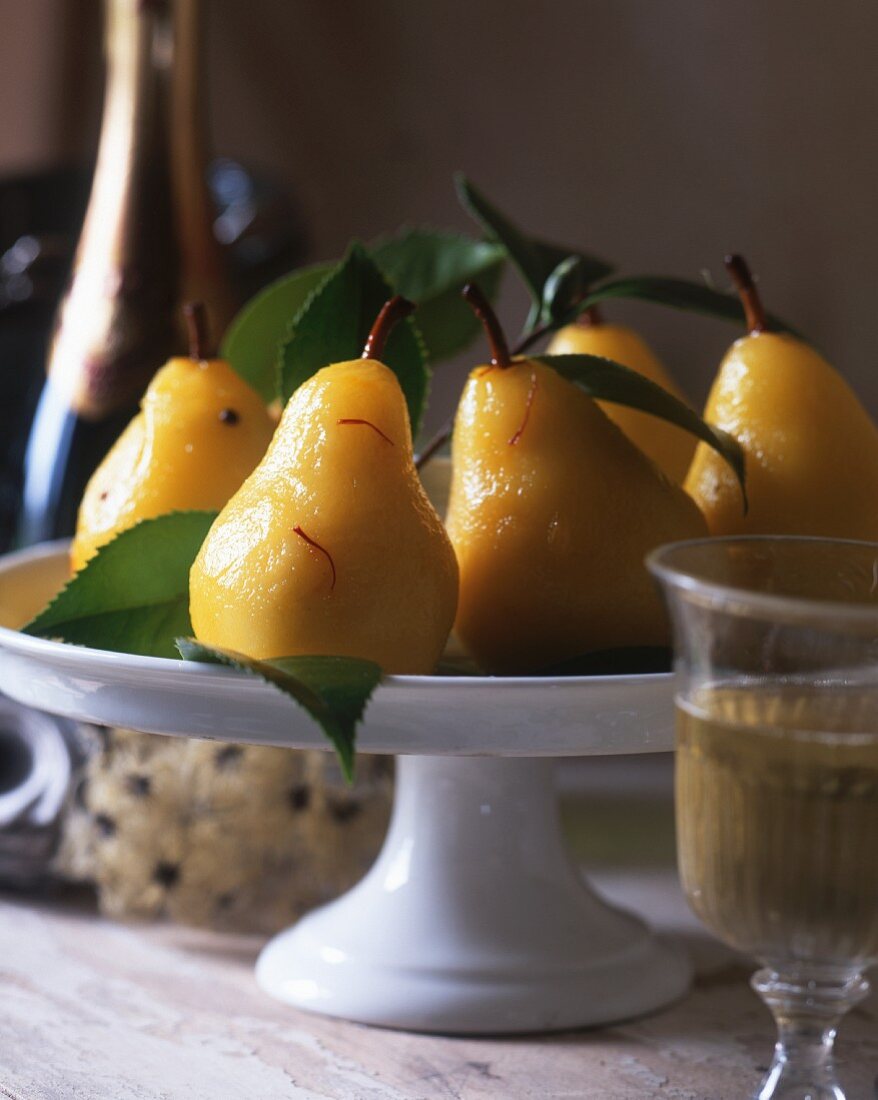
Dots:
pixel 147 242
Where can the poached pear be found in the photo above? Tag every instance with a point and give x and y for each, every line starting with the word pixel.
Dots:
pixel 331 545
pixel 551 514
pixel 811 447
pixel 669 447
pixel 200 431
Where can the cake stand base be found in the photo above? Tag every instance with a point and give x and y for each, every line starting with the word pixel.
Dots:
pixel 473 920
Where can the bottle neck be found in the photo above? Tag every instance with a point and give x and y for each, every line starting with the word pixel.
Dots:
pixel 147 243
pixel 204 274
pixel 133 169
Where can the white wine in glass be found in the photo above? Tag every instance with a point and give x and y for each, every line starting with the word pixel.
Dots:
pixel 777 776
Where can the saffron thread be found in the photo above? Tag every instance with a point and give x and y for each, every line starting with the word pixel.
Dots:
pixel 530 400
pixel 311 542
pixel 368 423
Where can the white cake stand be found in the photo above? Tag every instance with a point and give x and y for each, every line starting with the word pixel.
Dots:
pixel 473 919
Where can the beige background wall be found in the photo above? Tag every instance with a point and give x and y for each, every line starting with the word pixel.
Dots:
pixel 661 133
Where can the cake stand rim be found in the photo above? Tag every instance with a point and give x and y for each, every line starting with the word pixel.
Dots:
pixel 29 645
pixel 424 715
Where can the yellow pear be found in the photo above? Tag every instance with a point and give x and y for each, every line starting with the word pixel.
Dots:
pixel 551 514
pixel 200 431
pixel 811 448
pixel 669 447
pixel 331 545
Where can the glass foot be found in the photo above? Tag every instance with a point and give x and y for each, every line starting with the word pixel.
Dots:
pixel 807 1007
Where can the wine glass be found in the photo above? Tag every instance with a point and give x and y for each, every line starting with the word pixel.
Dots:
pixel 776 656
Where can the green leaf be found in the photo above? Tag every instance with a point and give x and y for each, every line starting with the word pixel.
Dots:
pixel 133 596
pixel 333 324
pixel 426 265
pixel 678 294
pixel 565 288
pixel 431 268
pixel 607 380
pixel 252 341
pixel 333 690
pixel 534 259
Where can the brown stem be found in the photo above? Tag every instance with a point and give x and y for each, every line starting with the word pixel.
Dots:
pixel 590 316
pixel 500 356
pixel 196 326
pixel 444 433
pixel 391 312
pixel 754 313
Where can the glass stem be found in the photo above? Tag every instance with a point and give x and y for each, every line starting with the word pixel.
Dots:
pixel 807 1007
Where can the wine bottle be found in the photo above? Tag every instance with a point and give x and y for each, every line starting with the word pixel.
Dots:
pixel 146 246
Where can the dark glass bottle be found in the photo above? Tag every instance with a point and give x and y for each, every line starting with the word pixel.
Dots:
pixel 146 246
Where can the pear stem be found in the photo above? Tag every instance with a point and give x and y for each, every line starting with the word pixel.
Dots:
pixel 500 357
pixel 590 316
pixel 391 312
pixel 754 312
pixel 196 327
pixel 496 340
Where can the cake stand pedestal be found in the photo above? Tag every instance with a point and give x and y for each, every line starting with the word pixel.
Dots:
pixel 473 919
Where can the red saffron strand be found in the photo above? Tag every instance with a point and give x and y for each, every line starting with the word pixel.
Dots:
pixel 369 424
pixel 530 400
pixel 307 538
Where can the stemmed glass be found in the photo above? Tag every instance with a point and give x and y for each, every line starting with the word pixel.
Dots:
pixel 776 655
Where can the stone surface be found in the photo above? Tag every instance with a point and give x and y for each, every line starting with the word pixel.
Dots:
pixel 102 1011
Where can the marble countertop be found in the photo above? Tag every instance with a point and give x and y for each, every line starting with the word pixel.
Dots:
pixel 96 1010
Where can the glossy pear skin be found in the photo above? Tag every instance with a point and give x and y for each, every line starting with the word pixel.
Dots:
pixel 551 531
pixel 811 448
pixel 669 447
pixel 200 431
pixel 258 587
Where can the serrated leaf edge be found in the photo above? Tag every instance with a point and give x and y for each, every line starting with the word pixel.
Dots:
pixel 356 247
pixel 291 327
pixel 314 705
pixel 27 628
pixel 254 303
